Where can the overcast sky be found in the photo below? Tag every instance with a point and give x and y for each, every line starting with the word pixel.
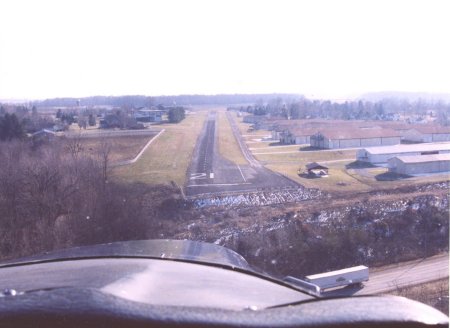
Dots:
pixel 318 48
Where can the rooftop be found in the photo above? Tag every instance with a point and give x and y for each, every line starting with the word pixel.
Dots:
pixel 337 272
pixel 315 165
pixel 43 131
pixel 302 131
pixel 431 129
pixel 424 158
pixel 408 148
pixel 358 133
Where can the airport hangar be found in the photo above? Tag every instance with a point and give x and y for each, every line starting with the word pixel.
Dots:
pixel 354 138
pixel 420 164
pixel 381 155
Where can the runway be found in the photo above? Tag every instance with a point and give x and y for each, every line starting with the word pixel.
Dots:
pixel 210 173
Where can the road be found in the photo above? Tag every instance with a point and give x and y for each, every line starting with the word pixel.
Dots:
pixel 383 280
pixel 136 158
pixel 210 173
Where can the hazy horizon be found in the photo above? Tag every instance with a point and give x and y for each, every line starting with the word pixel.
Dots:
pixel 321 49
pixel 364 96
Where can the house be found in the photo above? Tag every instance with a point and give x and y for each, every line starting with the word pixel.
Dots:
pixel 59 127
pixel 316 169
pixel 420 164
pixel 148 115
pixel 44 132
pixel 42 136
pixel 381 155
pixel 356 137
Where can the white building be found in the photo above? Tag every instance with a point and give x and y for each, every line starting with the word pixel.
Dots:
pixel 420 164
pixel 381 155
pixel 354 138
pixel 148 115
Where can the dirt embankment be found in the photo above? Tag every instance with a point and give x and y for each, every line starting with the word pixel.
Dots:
pixel 300 238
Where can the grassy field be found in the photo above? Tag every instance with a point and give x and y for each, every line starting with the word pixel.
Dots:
pixel 228 146
pixel 371 179
pixel 337 181
pixel 270 146
pixel 168 158
pixel 122 148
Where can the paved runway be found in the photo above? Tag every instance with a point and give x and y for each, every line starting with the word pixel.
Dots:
pixel 210 173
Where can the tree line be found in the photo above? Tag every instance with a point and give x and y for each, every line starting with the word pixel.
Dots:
pixel 176 114
pixel 385 109
pixel 147 101
pixel 11 127
pixel 57 195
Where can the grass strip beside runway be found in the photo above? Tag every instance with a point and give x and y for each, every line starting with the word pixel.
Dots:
pixel 168 158
pixel 228 146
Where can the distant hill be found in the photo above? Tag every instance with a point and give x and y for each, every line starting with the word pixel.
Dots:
pixel 410 96
pixel 182 100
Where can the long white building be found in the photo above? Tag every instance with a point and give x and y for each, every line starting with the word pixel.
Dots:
pixel 354 138
pixel 411 165
pixel 381 155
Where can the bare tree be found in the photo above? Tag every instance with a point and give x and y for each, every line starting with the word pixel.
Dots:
pixel 103 156
pixel 75 147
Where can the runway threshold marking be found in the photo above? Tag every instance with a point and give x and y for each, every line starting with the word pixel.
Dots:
pixel 219 184
pixel 195 176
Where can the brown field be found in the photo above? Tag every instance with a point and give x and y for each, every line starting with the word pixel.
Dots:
pixel 270 147
pixel 168 157
pixel 122 148
pixel 337 181
pixel 228 146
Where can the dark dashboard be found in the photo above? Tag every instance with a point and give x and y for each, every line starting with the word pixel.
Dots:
pixel 199 285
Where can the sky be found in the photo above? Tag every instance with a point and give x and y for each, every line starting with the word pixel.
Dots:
pixel 321 48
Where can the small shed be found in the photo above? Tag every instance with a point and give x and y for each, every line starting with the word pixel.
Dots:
pixel 316 169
